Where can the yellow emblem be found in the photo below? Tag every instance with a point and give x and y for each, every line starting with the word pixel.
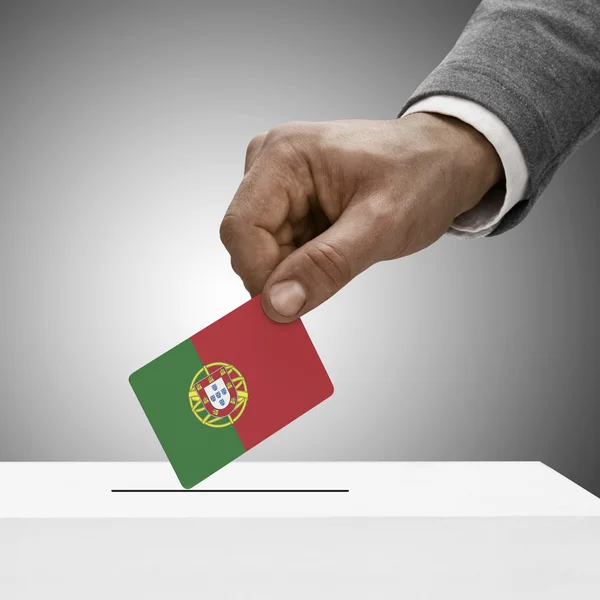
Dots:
pixel 218 394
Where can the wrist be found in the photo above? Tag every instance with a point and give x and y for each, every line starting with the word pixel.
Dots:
pixel 470 159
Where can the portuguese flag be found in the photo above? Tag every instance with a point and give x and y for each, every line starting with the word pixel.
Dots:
pixel 227 388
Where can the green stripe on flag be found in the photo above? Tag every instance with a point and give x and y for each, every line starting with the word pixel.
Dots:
pixel 162 387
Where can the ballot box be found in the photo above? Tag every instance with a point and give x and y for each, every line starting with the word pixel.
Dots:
pixel 297 530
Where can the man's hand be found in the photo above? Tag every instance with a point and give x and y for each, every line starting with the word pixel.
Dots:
pixel 322 202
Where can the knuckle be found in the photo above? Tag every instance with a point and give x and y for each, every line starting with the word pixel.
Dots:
pixel 393 223
pixel 254 146
pixel 384 214
pixel 330 262
pixel 288 134
pixel 228 229
pixel 382 209
pixel 286 146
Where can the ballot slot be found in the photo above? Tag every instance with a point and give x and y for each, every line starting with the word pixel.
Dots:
pixel 227 491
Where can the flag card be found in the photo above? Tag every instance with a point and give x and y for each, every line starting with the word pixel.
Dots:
pixel 228 387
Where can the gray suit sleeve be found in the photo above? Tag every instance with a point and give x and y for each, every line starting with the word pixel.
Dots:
pixel 536 65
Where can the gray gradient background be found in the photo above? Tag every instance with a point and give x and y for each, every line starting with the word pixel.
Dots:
pixel 123 127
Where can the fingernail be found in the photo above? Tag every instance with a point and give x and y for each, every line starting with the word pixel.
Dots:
pixel 287 297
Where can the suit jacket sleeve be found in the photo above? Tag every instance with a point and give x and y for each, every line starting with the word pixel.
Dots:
pixel 535 64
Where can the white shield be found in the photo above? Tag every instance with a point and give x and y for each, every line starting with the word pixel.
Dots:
pixel 218 394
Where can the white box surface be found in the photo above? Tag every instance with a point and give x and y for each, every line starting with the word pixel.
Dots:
pixel 375 489
pixel 403 530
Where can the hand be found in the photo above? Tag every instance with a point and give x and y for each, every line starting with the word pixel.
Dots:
pixel 322 202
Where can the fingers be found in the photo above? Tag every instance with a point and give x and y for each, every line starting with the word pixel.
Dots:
pixel 249 232
pixel 252 151
pixel 258 228
pixel 317 270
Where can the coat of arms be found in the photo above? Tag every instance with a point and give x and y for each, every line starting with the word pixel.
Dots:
pixel 218 394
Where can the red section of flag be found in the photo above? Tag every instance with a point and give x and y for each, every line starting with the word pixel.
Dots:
pixel 283 372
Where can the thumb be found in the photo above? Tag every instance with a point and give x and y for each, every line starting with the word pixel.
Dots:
pixel 321 267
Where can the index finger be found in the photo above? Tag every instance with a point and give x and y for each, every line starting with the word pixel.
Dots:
pixel 254 228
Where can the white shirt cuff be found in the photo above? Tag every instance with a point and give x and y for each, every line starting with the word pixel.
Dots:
pixel 483 218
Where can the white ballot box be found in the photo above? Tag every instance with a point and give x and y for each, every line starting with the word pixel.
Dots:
pixel 297 530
